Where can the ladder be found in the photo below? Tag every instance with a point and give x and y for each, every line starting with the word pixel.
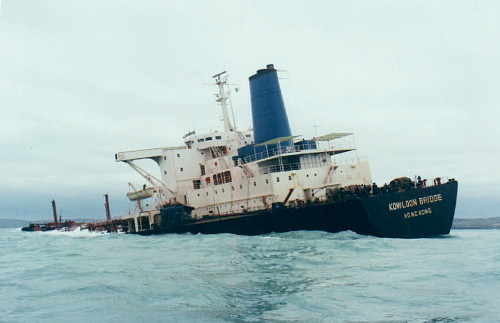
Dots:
pixel 218 154
pixel 246 171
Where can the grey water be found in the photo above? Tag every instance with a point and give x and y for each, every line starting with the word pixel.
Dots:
pixel 285 277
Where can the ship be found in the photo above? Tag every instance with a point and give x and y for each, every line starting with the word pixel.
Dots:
pixel 265 179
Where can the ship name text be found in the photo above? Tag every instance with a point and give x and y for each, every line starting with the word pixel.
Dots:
pixel 415 202
pixel 413 214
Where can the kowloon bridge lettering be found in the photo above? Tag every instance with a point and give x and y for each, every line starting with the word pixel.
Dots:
pixel 415 202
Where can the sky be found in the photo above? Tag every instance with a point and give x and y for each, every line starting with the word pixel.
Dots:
pixel 418 82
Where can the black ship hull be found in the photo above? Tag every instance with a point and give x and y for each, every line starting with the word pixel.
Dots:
pixel 415 213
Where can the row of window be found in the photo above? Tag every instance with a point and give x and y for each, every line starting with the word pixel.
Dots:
pixel 165 157
pixel 227 175
pixel 208 138
pixel 222 178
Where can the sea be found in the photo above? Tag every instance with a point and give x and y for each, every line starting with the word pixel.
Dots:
pixel 304 276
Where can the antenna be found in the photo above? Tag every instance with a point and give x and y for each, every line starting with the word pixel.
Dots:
pixel 316 130
pixel 217 75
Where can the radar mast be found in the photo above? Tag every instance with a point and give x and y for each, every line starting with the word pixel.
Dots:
pixel 222 97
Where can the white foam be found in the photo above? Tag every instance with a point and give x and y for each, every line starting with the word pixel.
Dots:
pixel 76 232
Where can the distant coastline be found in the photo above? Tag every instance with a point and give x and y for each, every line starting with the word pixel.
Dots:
pixel 458 223
pixel 480 223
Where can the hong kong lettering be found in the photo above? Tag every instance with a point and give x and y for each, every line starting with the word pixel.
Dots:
pixel 415 202
pixel 413 214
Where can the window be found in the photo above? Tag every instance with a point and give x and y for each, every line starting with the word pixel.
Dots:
pixel 267 181
pixel 201 140
pixel 178 155
pixel 216 182
pixel 289 178
pixel 196 184
pixel 241 186
pixel 208 138
pixel 165 172
pixel 164 157
pixel 227 177
pixel 182 169
pixel 277 179
pixel 222 190
pixel 254 183
pixel 202 169
pixel 218 137
pixel 220 178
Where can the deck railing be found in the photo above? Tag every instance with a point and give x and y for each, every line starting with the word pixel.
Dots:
pixel 291 149
pixel 309 165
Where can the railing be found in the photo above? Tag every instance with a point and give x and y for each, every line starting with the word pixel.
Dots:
pixel 286 150
pixel 282 168
pixel 270 153
pixel 292 149
pixel 339 161
pixel 298 166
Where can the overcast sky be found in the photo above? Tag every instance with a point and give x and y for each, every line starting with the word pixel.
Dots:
pixel 417 81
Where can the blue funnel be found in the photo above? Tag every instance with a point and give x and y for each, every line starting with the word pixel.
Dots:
pixel 268 110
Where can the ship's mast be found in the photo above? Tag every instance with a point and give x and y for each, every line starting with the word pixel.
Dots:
pixel 222 97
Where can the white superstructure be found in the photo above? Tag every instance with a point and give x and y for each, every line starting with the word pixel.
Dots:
pixel 208 174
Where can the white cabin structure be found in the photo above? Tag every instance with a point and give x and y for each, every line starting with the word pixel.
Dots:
pixel 210 174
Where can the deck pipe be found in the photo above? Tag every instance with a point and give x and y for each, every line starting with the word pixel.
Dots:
pixel 106 206
pixel 54 211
